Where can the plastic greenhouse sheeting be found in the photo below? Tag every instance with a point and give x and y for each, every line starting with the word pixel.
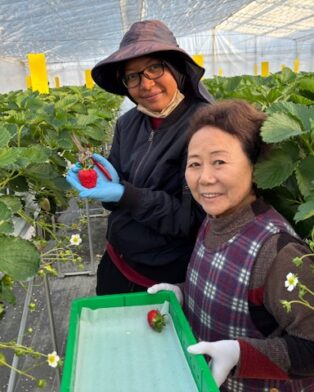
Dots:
pixel 231 35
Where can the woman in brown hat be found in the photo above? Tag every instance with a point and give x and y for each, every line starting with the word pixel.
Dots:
pixel 153 221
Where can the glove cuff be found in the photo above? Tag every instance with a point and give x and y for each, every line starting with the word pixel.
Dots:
pixel 119 191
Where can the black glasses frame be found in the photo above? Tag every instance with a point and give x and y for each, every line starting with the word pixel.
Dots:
pixel 139 74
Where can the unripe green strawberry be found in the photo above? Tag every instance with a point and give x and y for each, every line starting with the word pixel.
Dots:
pixel 44 204
pixel 41 383
pixel 88 177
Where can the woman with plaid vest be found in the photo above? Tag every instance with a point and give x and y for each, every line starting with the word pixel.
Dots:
pixel 237 275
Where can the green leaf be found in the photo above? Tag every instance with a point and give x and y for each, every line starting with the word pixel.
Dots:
pixel 18 258
pixel 35 153
pixel 12 202
pixel 305 114
pixel 5 136
pixel 273 95
pixel 66 102
pixel 300 112
pixel 16 117
pixel 103 113
pixel 307 84
pixel 41 171
pixel 5 212
pixel 6 224
pixel 274 169
pixel 305 211
pixel 287 75
pixel 279 127
pixel 83 120
pixel 94 133
pixel 18 184
pixel 7 295
pixel 297 98
pixel 7 157
pixel 6 227
pixel 305 176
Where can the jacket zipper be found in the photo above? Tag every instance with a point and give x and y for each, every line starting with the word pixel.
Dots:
pixel 150 141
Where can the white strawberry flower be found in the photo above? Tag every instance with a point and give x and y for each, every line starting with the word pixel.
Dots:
pixel 291 281
pixel 75 239
pixel 53 359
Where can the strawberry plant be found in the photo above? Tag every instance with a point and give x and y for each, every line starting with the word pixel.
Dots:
pixel 35 148
pixel 284 86
pixel 286 173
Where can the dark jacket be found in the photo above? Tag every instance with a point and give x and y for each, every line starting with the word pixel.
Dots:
pixel 156 221
pixel 154 224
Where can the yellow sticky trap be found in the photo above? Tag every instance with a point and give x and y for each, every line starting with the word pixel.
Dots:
pixel 199 59
pixel 88 79
pixel 255 69
pixel 28 81
pixel 265 68
pixel 38 72
pixel 57 81
pixel 296 65
pixel 220 72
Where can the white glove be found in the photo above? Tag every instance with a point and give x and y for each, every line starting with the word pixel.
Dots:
pixel 167 286
pixel 225 355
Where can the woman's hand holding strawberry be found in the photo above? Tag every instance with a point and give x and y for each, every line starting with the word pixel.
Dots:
pixel 105 190
pixel 108 166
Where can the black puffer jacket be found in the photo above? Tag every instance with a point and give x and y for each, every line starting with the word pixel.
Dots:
pixel 156 221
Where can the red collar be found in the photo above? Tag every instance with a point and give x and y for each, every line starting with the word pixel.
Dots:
pixel 156 122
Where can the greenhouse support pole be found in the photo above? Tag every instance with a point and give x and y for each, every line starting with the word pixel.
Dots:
pixel 91 271
pixel 214 51
pixel 90 240
pixel 255 68
pixel 15 362
pixel 51 324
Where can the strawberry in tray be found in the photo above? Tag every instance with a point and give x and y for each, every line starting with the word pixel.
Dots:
pixel 156 320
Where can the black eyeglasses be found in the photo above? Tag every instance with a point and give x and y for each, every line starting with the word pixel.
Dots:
pixel 151 72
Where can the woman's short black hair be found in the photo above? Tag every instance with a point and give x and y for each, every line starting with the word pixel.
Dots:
pixel 236 117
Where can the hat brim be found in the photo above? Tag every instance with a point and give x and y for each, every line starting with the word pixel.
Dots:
pixel 105 72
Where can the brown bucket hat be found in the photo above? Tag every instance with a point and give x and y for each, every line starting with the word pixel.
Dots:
pixel 143 38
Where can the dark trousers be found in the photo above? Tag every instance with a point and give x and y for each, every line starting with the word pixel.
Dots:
pixel 111 281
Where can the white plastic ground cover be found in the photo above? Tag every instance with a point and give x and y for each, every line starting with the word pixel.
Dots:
pixel 117 351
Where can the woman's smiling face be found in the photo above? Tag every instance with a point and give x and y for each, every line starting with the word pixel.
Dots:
pixel 218 172
pixel 155 94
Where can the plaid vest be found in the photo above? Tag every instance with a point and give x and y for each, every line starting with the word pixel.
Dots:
pixel 216 293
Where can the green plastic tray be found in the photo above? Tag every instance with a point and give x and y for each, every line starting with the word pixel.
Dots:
pixel 197 364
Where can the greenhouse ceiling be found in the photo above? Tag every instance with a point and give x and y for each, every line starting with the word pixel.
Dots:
pixel 78 30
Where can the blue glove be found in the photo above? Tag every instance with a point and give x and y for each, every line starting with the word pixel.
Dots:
pixel 107 165
pixel 105 190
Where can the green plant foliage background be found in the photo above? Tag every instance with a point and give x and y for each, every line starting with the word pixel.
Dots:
pixel 35 149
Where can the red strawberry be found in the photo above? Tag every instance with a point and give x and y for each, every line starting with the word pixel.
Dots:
pixel 88 177
pixel 156 320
